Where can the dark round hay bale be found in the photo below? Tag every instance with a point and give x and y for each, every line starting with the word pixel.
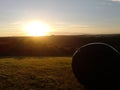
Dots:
pixel 97 66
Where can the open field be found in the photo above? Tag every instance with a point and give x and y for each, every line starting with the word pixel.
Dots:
pixel 43 63
pixel 37 73
pixel 51 45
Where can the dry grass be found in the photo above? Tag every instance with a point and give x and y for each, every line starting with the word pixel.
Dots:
pixel 30 73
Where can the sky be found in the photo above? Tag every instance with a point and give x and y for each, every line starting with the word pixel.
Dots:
pixel 64 16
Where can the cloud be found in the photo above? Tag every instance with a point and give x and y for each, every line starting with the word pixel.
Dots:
pixel 116 0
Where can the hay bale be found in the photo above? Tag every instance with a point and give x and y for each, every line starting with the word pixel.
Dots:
pixel 97 66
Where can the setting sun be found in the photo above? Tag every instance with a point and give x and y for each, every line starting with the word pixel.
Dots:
pixel 37 29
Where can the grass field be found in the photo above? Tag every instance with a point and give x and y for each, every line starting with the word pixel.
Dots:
pixel 37 73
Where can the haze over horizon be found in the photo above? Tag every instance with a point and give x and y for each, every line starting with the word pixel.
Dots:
pixel 66 17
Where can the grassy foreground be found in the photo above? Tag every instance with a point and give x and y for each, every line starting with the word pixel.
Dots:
pixel 30 73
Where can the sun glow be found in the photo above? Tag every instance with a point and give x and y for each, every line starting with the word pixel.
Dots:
pixel 37 29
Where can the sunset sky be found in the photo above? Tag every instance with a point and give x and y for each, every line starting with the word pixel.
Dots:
pixel 63 16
